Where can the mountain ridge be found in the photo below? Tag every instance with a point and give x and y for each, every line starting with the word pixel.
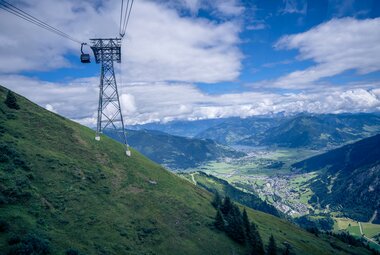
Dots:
pixel 304 130
pixel 349 178
pixel 177 152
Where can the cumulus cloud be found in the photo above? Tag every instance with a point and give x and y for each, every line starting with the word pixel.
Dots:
pixel 161 44
pixel 153 102
pixel 336 46
pixel 26 47
pixel 128 103
pixel 166 52
pixel 164 46
pixel 76 99
pixel 49 107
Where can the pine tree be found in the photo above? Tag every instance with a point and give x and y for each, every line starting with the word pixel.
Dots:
pixel 219 220
pixel 217 202
pixel 226 206
pixel 287 251
pixel 246 224
pixel 272 247
pixel 11 101
pixel 234 226
pixel 255 241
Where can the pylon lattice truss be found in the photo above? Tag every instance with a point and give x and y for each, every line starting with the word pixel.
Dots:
pixel 108 51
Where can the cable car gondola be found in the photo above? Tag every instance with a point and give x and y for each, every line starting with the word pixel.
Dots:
pixel 84 58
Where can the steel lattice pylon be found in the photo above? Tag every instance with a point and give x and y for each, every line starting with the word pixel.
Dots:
pixel 108 51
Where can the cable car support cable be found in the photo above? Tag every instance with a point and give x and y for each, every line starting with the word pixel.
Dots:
pixel 30 18
pixel 127 13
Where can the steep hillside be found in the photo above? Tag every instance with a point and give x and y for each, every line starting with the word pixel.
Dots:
pixel 214 184
pixel 177 152
pixel 61 189
pixel 350 178
pixel 319 131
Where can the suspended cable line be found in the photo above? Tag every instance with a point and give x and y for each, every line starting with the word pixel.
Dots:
pixel 124 16
pixel 106 52
pixel 121 15
pixel 30 18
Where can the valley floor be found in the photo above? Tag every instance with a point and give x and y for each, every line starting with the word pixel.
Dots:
pixel 268 174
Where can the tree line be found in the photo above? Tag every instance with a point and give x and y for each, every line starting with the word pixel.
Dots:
pixel 237 226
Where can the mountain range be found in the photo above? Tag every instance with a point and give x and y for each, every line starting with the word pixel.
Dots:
pixel 300 131
pixel 177 152
pixel 304 131
pixel 180 127
pixel 233 131
pixel 320 131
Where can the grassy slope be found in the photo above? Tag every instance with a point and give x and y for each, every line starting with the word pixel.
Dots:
pixel 88 195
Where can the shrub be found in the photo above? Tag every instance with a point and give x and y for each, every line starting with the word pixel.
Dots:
pixel 217 202
pixel 219 221
pixel 72 251
pixel 11 101
pixel 14 240
pixel 4 158
pixel 30 244
pixel 4 226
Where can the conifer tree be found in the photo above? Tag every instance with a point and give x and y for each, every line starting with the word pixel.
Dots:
pixel 287 251
pixel 246 224
pixel 272 247
pixel 217 202
pixel 219 220
pixel 255 241
pixel 234 226
pixel 11 101
pixel 226 206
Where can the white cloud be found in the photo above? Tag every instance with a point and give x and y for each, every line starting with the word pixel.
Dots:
pixel 160 45
pixel 163 46
pixel 76 99
pixel 51 108
pixel 335 46
pixel 258 25
pixel 222 8
pixel 294 6
pixel 26 47
pixel 164 53
pixel 192 5
pixel 229 7
pixel 128 103
pixel 149 102
pixel 342 7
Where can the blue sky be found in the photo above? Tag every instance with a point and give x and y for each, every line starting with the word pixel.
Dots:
pixel 194 59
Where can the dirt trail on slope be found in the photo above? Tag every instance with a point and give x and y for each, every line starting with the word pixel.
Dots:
pixel 373 216
pixel 193 179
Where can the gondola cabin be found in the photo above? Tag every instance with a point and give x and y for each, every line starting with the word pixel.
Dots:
pixel 85 58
